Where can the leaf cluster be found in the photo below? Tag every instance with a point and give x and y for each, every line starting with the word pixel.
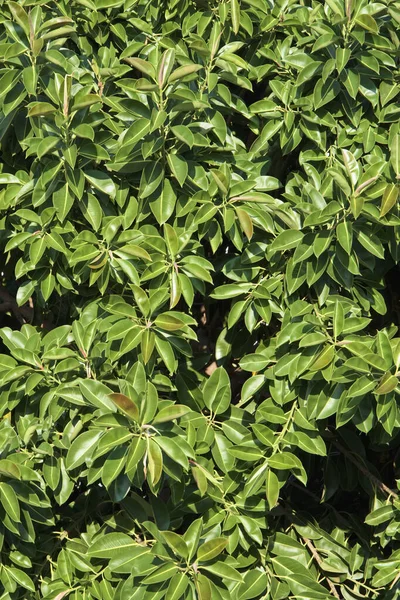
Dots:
pixel 199 355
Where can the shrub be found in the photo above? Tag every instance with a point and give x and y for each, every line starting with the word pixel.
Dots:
pixel 199 317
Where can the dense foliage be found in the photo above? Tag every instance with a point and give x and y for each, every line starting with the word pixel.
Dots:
pixel 200 299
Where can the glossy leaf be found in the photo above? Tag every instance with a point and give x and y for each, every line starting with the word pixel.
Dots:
pixel 211 549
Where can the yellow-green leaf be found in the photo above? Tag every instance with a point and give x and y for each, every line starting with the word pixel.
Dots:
pixel 389 198
pixel 211 549
pixel 387 384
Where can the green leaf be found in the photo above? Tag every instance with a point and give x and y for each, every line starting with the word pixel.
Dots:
pixel 7 178
pixel 183 71
pixel 97 394
pixel 170 413
pixel 352 167
pixel 221 569
pixel 235 11
pixel 380 515
pixel 82 448
pixel 254 362
pixel 134 250
pixel 286 240
pixel 389 198
pixel 58 33
pixel 221 180
pixel 252 386
pixel 40 109
pixel 172 449
pixel 143 66
pixel 154 462
pixel 217 391
pixel 151 179
pixel 21 578
pixel 179 168
pixel 136 452
pixel 361 387
pixel 168 322
pixel 177 586
pixel 338 319
pixel 136 131
pixel 183 134
pixel 84 101
pixel 387 91
pixel 387 384
pixel 176 543
pixel 147 344
pixel 161 574
pixel 54 240
pixel 203 587
pixel 246 453
pixel 100 181
pixel 171 240
pixel 395 154
pixel 344 234
pixel 20 15
pixel 47 145
pixel 9 500
pixel 165 66
pixel 371 243
pixel 192 536
pixel 63 201
pixel 325 92
pixel 111 545
pixel 9 468
pixel 163 206
pixel 211 549
pixel 287 460
pixel 272 488
pixel 323 359
pixel 367 22
pixel 149 403
pixel 255 583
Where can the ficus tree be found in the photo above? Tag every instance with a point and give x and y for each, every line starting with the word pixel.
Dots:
pixel 199 302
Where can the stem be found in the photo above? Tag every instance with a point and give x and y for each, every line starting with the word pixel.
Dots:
pixel 395 580
pixel 318 560
pixel 163 131
pixel 356 461
pixel 284 429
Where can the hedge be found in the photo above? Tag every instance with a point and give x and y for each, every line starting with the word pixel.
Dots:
pixel 199 232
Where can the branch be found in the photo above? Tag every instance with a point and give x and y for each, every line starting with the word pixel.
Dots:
pixel 356 461
pixel 318 560
pixel 23 314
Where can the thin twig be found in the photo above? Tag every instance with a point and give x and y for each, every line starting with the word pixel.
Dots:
pixel 355 460
pixel 8 303
pixel 395 580
pixel 318 560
